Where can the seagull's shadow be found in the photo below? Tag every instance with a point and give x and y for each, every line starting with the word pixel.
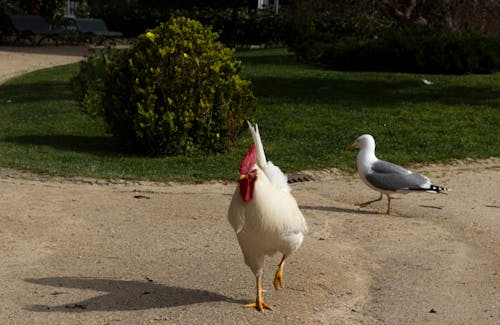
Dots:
pixel 120 295
pixel 352 211
pixel 335 209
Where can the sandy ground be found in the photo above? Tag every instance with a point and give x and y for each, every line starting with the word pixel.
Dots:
pixel 80 251
pixel 17 60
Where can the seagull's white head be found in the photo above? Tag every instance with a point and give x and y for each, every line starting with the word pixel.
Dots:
pixel 365 141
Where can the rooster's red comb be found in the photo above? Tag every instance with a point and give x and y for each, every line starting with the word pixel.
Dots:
pixel 248 161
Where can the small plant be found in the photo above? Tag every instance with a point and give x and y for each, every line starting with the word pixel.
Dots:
pixel 177 91
pixel 88 85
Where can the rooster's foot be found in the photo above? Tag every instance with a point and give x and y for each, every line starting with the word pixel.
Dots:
pixel 259 305
pixel 278 280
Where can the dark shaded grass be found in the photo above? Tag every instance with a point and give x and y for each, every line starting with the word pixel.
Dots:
pixel 307 117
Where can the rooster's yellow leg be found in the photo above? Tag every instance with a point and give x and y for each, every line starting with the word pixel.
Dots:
pixel 370 202
pixel 278 277
pixel 259 303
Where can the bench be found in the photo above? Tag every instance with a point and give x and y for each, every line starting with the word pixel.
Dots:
pixel 30 26
pixel 93 27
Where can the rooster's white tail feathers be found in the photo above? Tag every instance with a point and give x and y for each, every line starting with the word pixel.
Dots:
pixel 273 172
pixel 259 147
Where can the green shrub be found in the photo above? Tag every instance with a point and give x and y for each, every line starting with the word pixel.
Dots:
pixel 356 35
pixel 413 50
pixel 259 27
pixel 176 91
pixel 130 18
pixel 88 85
pixel 312 26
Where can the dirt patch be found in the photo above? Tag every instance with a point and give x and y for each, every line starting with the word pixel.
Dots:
pixel 84 251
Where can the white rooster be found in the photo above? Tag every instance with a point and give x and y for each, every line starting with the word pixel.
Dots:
pixel 264 215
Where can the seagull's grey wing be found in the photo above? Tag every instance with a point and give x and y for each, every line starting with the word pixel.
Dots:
pixel 390 177
pixel 385 167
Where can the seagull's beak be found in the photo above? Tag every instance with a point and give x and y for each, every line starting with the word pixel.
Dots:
pixel 350 148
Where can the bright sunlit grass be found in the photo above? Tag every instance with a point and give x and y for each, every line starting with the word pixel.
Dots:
pixel 307 116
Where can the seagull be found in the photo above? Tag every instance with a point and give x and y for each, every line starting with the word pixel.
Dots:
pixel 427 82
pixel 385 177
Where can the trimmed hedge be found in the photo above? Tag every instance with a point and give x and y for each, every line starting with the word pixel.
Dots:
pixel 411 50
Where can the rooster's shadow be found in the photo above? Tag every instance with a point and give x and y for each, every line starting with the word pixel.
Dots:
pixel 121 295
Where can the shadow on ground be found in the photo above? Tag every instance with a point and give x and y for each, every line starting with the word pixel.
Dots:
pixel 335 209
pixel 123 295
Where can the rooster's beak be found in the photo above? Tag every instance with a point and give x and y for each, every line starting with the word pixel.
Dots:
pixel 243 177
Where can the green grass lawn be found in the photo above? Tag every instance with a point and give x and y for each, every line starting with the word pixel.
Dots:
pixel 307 116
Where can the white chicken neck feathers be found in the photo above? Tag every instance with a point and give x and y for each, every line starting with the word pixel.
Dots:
pixel 270 210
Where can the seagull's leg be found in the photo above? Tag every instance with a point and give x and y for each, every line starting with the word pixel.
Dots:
pixel 370 202
pixel 259 303
pixel 278 277
pixel 388 204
